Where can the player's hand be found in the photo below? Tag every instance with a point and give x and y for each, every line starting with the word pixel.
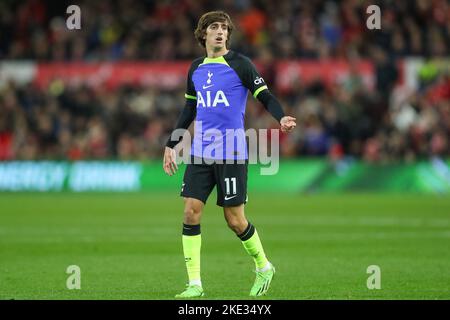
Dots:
pixel 287 124
pixel 169 161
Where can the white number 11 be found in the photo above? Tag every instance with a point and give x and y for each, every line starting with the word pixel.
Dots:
pixel 227 185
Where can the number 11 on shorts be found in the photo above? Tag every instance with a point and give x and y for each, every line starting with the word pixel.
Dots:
pixel 227 185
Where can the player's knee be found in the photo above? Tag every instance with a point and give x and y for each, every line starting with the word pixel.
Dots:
pixel 191 211
pixel 192 215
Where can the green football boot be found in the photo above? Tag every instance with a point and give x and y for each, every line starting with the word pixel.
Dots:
pixel 262 282
pixel 192 291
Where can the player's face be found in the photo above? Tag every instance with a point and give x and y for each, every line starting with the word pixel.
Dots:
pixel 216 35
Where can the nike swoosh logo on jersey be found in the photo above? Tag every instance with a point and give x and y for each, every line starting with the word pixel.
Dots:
pixel 228 198
pixel 206 87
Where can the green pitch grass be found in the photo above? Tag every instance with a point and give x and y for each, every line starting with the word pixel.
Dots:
pixel 128 246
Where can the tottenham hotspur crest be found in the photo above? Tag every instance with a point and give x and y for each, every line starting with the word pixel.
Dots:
pixel 210 74
pixel 208 85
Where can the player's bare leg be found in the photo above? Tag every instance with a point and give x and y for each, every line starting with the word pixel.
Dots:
pixel 235 218
pixel 265 271
pixel 193 209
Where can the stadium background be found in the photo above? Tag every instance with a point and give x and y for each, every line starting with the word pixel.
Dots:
pixel 364 179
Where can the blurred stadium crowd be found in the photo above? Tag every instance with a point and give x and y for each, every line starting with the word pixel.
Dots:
pixel 379 125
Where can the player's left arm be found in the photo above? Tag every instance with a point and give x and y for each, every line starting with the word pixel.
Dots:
pixel 273 106
pixel 255 83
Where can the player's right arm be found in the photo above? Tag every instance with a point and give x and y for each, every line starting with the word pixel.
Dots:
pixel 184 121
